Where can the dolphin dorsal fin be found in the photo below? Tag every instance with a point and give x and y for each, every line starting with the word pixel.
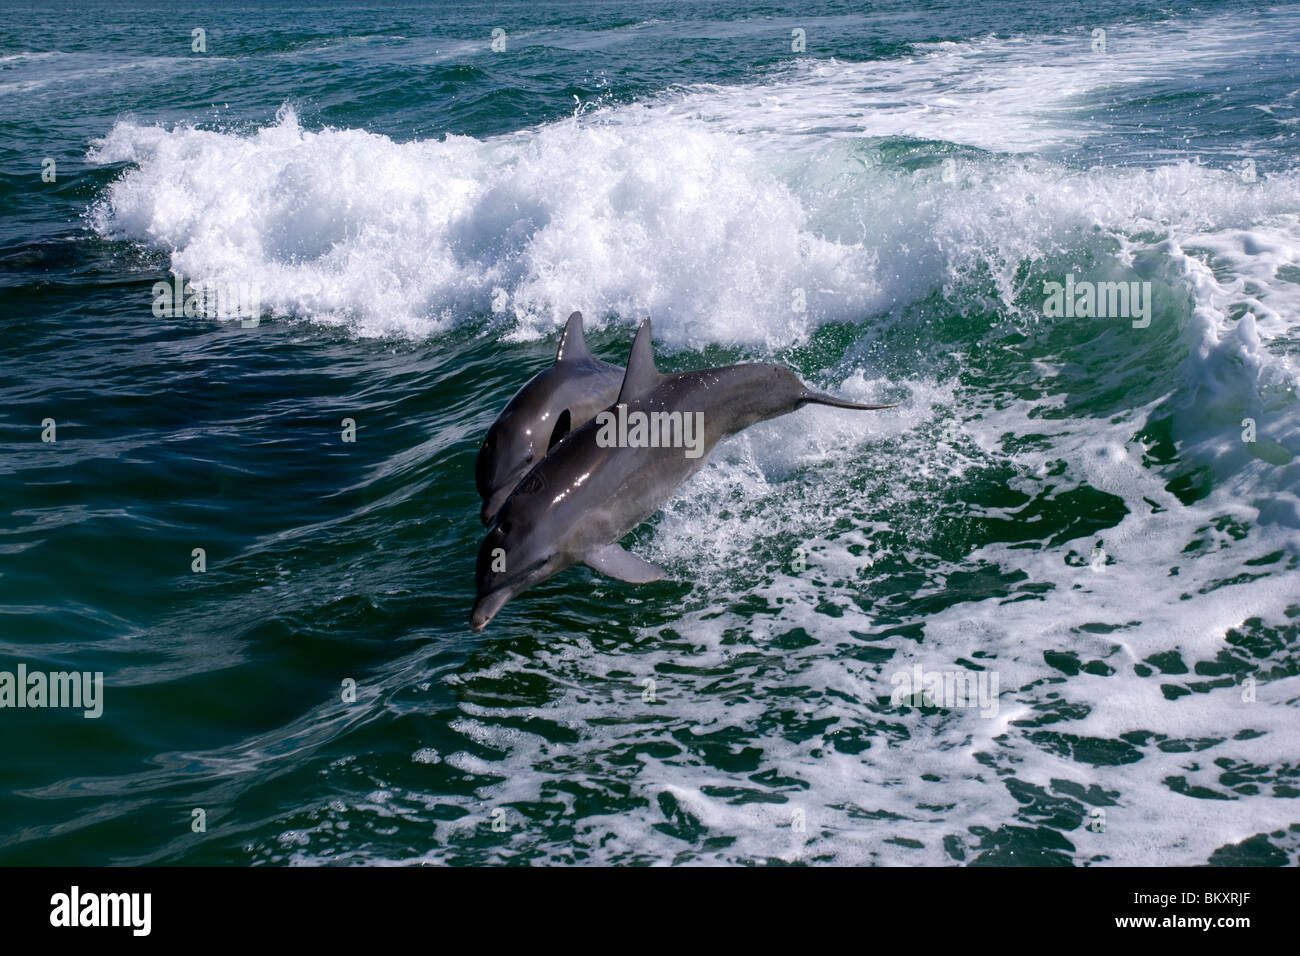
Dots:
pixel 573 347
pixel 641 375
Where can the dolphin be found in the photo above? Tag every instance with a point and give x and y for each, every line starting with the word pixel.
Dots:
pixel 554 401
pixel 575 505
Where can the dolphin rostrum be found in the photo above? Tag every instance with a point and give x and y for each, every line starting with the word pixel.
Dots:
pixel 553 403
pixel 596 485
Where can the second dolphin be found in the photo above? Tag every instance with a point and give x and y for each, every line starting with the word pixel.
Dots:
pixel 553 402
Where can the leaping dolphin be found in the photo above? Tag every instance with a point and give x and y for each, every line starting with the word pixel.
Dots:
pixel 575 505
pixel 552 403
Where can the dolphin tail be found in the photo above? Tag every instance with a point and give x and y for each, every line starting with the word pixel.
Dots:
pixel 819 398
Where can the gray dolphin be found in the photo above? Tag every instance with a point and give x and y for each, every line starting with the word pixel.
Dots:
pixel 554 401
pixel 575 505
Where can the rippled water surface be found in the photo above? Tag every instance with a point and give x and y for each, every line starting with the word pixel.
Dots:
pixel 1068 506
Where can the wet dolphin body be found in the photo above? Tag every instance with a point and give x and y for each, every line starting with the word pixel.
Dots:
pixel 554 401
pixel 575 505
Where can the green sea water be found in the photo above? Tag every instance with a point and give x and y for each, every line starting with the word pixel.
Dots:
pixel 263 535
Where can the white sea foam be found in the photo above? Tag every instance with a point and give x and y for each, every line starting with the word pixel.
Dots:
pixel 1005 95
pixel 631 212
pixel 715 210
pixel 28 73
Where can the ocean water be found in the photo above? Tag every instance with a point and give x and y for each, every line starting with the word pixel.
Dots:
pixel 1099 513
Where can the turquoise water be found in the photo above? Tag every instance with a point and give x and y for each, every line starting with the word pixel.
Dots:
pixel 1069 504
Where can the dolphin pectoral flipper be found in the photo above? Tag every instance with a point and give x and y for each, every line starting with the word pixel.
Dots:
pixel 612 561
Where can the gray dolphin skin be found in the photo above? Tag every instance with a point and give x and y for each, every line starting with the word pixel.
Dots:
pixel 576 504
pixel 554 401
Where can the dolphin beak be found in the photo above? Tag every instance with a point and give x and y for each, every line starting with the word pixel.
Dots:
pixel 486 607
pixel 497 499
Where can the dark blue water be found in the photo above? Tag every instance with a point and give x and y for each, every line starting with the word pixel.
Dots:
pixel 1074 504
